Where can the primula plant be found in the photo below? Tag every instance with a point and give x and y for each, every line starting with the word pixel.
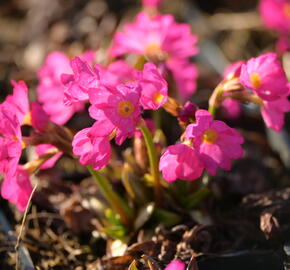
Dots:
pixel 148 73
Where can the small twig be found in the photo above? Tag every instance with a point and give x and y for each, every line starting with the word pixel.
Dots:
pixel 22 226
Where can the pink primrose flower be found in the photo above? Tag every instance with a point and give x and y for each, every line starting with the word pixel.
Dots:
pixel 188 112
pixel 180 161
pixel 276 14
pixel 43 149
pixel 151 3
pixel 265 76
pixel 39 118
pixel 231 108
pixel 216 143
pixel 175 265
pixel 78 84
pixel 17 188
pixel 50 89
pixel 154 88
pixel 116 109
pixel 93 150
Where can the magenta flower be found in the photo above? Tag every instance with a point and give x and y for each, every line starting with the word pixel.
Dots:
pixel 154 88
pixel 17 188
pixel 78 84
pixel 180 161
pixel 231 108
pixel 265 76
pixel 43 149
pixel 273 112
pixel 93 150
pixel 216 143
pixel 50 89
pixel 283 44
pixel 115 109
pixel 18 102
pixel 162 39
pixel 151 3
pixel 175 265
pixel 276 14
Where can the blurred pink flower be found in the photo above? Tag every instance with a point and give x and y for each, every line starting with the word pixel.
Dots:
pixel 180 161
pixel 17 188
pixel 283 44
pixel 175 265
pixel 93 150
pixel 215 142
pixel 231 108
pixel 115 109
pixel 50 89
pixel 233 70
pixel 151 3
pixel 43 149
pixel 265 76
pixel 39 118
pixel 276 14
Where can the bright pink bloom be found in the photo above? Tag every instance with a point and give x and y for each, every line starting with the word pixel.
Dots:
pixel 233 70
pixel 216 143
pixel 116 109
pixel 273 112
pixel 50 89
pixel 78 84
pixel 188 112
pixel 17 188
pixel 276 14
pixel 265 75
pixel 93 150
pixel 43 149
pixel 185 75
pixel 175 265
pixel 161 38
pixel 154 88
pixel 18 102
pixel 39 118
pixel 231 108
pixel 180 161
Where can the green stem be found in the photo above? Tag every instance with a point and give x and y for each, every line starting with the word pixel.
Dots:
pixel 212 110
pixel 116 202
pixel 153 159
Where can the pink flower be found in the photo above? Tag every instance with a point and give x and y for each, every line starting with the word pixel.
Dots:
pixel 175 265
pixel 216 143
pixel 154 88
pixel 116 109
pixel 265 75
pixel 180 161
pixel 185 75
pixel 17 188
pixel 43 149
pixel 273 112
pixel 50 89
pixel 39 119
pixel 18 103
pixel 233 70
pixel 187 113
pixel 276 14
pixel 283 44
pixel 231 108
pixel 93 150
pixel 78 84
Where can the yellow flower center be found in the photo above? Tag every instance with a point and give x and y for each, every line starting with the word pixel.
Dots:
pixel 158 98
pixel 255 80
pixel 125 108
pixel 153 49
pixel 209 136
pixel 27 119
pixel 286 10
